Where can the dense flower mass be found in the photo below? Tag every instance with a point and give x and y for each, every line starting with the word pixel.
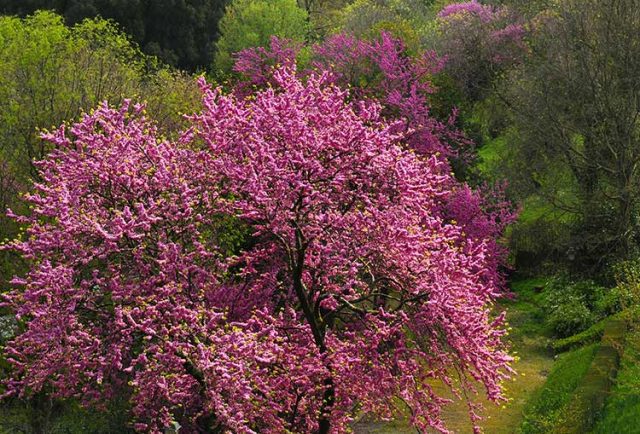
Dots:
pixel 284 266
pixel 382 71
pixel 379 70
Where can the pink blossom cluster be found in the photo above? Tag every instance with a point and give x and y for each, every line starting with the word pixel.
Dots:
pixel 378 70
pixel 381 71
pixel 355 289
pixel 256 64
pixel 485 13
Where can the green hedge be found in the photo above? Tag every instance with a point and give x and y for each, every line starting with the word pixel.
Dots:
pixel 623 406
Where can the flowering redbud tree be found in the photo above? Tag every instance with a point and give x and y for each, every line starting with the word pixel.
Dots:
pixel 351 293
pixel 381 70
pixel 479 42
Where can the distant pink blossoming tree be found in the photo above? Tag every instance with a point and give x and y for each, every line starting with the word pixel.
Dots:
pixel 479 42
pixel 355 289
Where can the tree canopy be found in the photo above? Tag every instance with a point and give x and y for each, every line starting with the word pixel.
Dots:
pixel 180 32
pixel 252 23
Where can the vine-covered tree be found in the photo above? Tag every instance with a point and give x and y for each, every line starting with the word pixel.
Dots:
pixel 352 290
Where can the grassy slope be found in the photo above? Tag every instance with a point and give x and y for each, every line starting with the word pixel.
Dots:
pixel 622 411
pixel 546 405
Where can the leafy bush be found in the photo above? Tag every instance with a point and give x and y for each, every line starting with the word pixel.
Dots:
pixel 570 317
pixel 626 293
pixel 572 306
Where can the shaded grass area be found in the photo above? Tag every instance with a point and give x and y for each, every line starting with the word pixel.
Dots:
pixel 622 410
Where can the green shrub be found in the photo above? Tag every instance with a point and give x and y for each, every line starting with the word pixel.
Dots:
pixel 626 293
pixel 572 306
pixel 570 317
pixel 615 300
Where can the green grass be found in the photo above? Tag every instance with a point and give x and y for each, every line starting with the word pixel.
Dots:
pixel 545 406
pixel 491 152
pixel 526 314
pixel 622 411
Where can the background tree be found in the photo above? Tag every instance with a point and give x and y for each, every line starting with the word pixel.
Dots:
pixel 252 23
pixel 180 32
pixel 410 20
pixel 575 106
pixel 480 42
pixel 50 73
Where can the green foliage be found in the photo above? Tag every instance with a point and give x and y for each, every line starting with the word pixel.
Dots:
pixel 567 100
pixel 181 33
pixel 570 317
pixel 626 294
pixel 52 72
pixel 546 405
pixel 411 20
pixel 43 415
pixel 251 23
pixel 571 306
